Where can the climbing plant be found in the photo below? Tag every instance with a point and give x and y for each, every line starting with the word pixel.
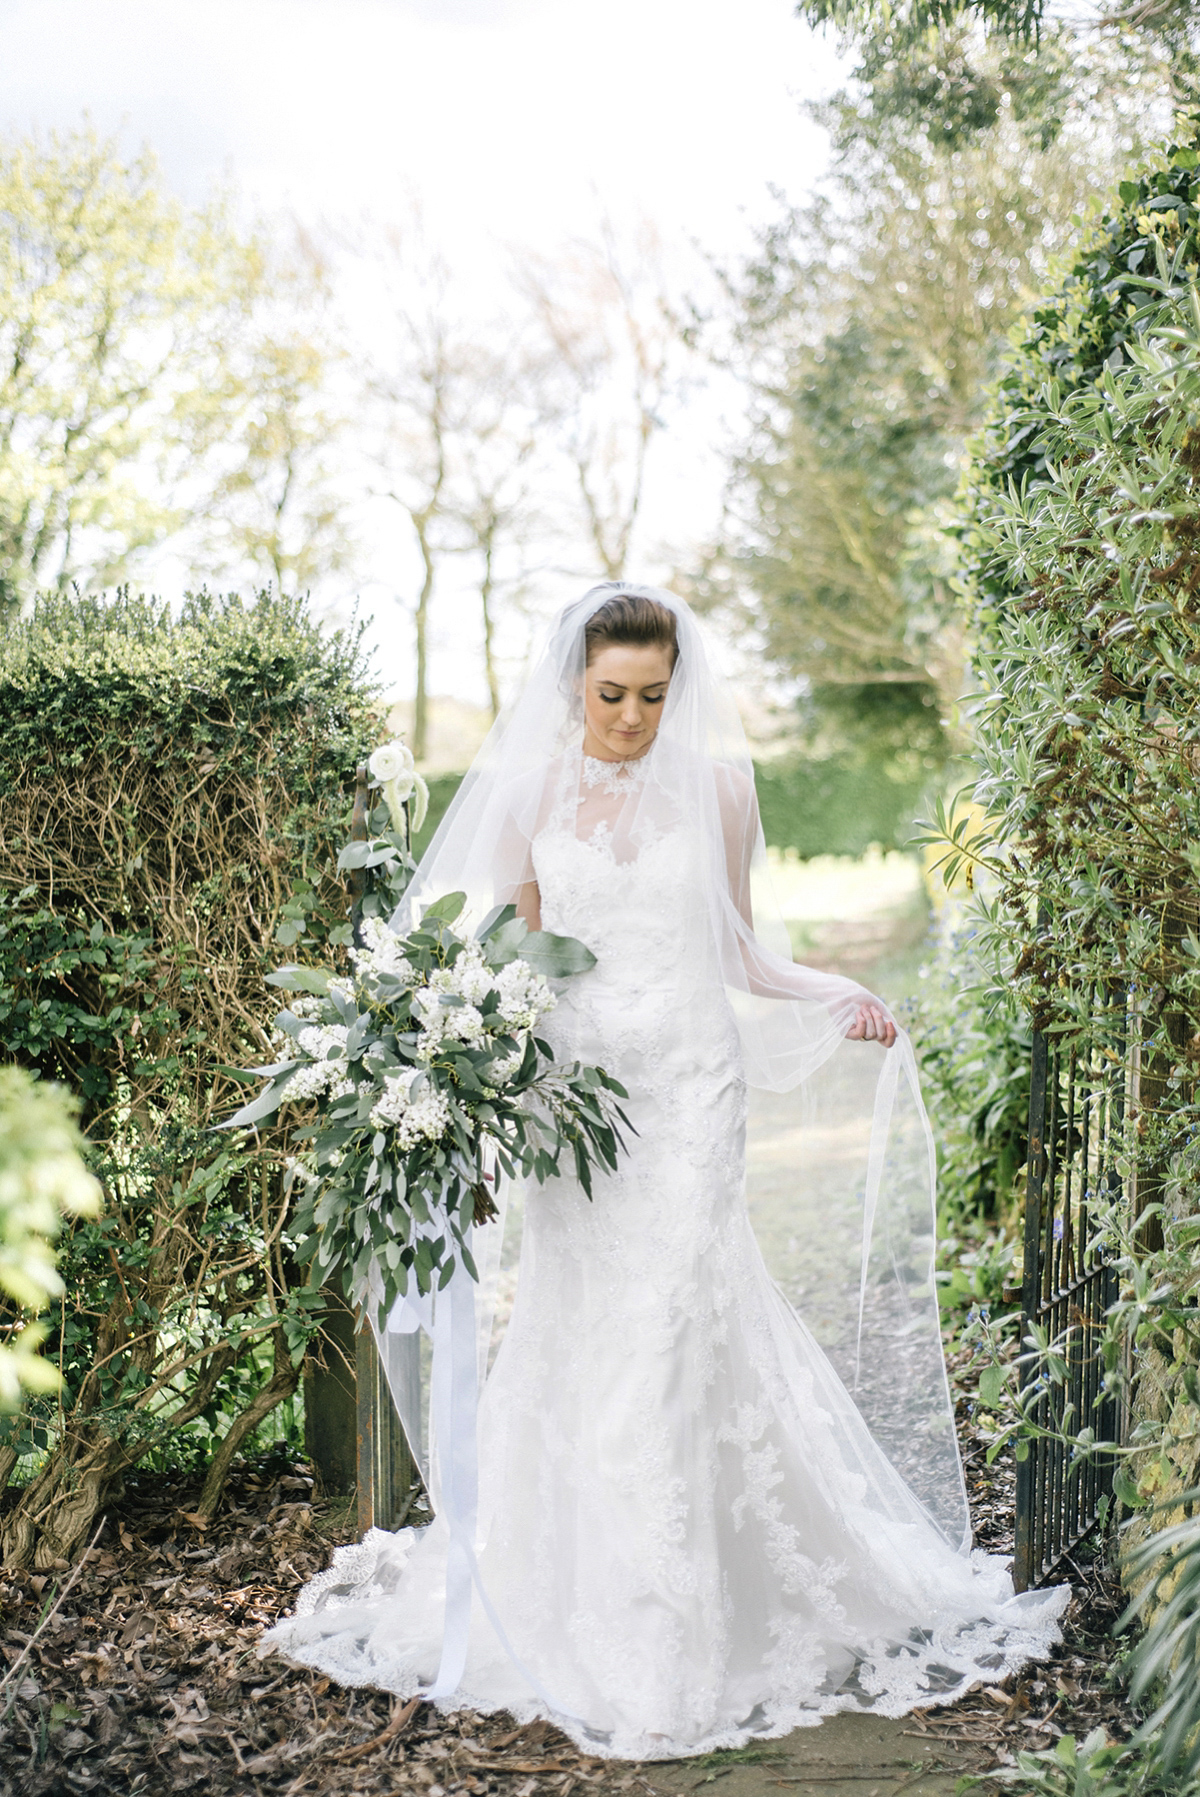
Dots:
pixel 1081 549
pixel 173 791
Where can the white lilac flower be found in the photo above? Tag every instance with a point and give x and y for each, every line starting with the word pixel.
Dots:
pixel 524 995
pixel 320 1039
pixel 423 1118
pixel 381 952
pixel 317 1079
pixel 470 977
pixel 501 1071
pixel 306 1005
pixel 463 1023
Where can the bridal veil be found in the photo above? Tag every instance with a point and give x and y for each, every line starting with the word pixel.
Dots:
pixel 840 1156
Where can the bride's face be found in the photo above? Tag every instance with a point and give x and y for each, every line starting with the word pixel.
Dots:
pixel 624 691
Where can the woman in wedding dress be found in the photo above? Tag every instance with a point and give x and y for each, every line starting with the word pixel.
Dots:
pixel 696 1524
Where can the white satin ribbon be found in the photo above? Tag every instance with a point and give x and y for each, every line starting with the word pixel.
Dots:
pixel 450 1321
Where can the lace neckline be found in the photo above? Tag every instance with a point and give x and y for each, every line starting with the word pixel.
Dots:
pixel 615 777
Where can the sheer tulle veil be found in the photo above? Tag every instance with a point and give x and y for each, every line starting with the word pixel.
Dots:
pixel 841 1176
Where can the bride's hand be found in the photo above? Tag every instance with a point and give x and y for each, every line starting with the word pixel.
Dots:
pixel 872 1025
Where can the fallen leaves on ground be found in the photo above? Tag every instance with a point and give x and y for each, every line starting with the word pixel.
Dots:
pixel 146 1681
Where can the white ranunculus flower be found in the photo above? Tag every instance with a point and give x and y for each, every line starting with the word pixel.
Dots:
pixel 392 761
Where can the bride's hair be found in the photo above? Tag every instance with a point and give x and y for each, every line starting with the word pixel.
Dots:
pixel 634 620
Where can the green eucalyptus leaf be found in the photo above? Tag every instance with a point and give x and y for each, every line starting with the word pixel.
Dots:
pixel 556 957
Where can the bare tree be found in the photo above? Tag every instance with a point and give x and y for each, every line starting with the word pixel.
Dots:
pixel 498 463
pixel 277 506
pixel 418 397
pixel 621 343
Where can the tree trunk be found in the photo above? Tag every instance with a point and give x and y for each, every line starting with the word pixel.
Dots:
pixel 485 598
pixel 283 1381
pixel 55 1515
pixel 330 1403
pixel 420 741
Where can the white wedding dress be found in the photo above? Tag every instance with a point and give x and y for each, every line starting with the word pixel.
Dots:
pixel 686 1528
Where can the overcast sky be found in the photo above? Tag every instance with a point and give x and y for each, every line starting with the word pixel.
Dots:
pixel 513 121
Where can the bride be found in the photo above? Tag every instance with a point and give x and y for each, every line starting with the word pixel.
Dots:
pixel 702 1516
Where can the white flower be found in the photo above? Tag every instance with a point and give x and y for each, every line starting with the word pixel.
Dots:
pixel 524 995
pixel 391 762
pixel 470 977
pixel 319 1040
pixel 501 1071
pixel 318 1079
pixel 423 1118
pixel 382 952
pixel 463 1023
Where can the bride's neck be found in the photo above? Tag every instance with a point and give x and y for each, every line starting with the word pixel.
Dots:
pixel 595 752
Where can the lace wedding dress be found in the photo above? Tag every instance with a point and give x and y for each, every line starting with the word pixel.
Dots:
pixel 686 1527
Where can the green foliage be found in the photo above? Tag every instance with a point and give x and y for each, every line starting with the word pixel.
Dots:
pixel 171 792
pixel 113 307
pixel 42 1179
pixel 1082 526
pixel 974 1047
pixel 950 70
pixel 870 322
pixel 1168 1561
pixel 1082 578
pixel 159 372
pixel 1095 1767
pixel 837 805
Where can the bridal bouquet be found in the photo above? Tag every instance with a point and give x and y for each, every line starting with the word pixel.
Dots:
pixel 427 1073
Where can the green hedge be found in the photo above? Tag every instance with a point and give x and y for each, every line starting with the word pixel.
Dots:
pixel 172 792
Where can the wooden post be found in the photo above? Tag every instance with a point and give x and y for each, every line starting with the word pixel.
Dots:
pixel 358 1414
pixel 387 1473
pixel 331 1420
pixel 329 1400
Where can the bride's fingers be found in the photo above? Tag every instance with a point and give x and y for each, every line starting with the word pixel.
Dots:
pixel 872 1025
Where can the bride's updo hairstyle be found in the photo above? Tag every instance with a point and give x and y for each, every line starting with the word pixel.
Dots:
pixel 634 621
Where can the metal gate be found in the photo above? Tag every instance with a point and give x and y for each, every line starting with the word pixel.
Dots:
pixel 1076 1107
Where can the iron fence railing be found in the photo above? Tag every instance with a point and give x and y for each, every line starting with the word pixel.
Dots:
pixel 1076 1109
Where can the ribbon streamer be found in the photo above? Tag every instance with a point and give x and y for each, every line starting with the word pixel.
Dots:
pixel 449 1319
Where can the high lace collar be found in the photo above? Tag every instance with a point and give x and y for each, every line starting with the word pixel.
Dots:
pixel 615 777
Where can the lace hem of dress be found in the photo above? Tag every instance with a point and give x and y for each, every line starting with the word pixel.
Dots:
pixel 930 1671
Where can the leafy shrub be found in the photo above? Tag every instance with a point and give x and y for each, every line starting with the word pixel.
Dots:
pixel 836 806
pixel 1082 569
pixel 42 1178
pixel 974 1046
pixel 171 792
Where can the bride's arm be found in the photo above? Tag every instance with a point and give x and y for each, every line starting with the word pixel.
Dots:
pixel 528 901
pixel 767 975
